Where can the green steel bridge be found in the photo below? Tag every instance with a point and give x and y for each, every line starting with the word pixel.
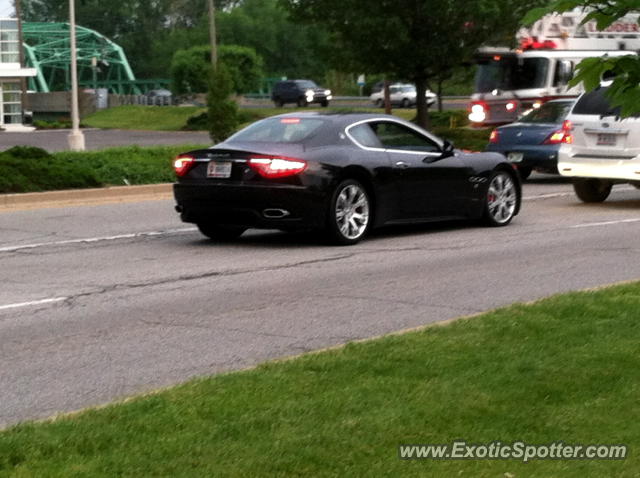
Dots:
pixel 101 62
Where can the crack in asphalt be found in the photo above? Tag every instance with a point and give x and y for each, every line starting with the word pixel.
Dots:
pixel 205 275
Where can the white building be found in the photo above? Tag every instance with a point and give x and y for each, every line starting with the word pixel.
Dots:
pixel 12 76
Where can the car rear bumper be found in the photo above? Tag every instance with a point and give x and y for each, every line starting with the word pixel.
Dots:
pixel 620 169
pixel 263 207
pixel 543 157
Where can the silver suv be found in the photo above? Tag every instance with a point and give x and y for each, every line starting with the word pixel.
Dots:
pixel 602 149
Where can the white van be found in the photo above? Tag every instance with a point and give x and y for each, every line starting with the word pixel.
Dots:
pixel 604 148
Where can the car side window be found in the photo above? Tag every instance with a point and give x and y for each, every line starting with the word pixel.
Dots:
pixel 365 136
pixel 396 136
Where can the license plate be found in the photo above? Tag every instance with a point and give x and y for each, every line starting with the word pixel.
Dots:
pixel 515 157
pixel 606 139
pixel 219 169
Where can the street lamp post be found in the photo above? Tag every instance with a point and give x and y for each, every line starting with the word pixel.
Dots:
pixel 76 137
pixel 212 34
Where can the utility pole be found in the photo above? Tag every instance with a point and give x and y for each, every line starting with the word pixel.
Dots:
pixel 76 137
pixel 212 34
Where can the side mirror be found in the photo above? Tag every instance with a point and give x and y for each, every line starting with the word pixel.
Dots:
pixel 447 149
pixel 565 71
pixel 446 152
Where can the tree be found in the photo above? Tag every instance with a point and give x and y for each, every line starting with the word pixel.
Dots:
pixel 190 68
pixel 413 39
pixel 222 110
pixel 288 48
pixel 625 89
pixel 142 27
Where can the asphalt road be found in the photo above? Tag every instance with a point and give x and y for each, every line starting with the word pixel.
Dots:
pixel 101 302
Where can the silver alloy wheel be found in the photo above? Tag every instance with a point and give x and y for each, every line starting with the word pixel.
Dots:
pixel 501 198
pixel 352 211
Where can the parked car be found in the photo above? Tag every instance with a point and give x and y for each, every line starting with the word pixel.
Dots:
pixel 403 95
pixel 604 148
pixel 159 97
pixel 300 92
pixel 533 141
pixel 341 173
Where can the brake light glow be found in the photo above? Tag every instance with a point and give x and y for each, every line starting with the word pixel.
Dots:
pixel 478 112
pixel 290 120
pixel 276 166
pixel 183 165
pixel 494 137
pixel 562 135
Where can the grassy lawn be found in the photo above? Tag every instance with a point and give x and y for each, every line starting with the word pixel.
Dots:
pixel 153 118
pixel 563 369
pixel 175 118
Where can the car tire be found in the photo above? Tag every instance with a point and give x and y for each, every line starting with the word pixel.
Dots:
pixel 302 102
pixel 349 216
pixel 524 172
pixel 278 103
pixel 220 233
pixel 324 104
pixel 379 103
pixel 501 199
pixel 592 190
pixel 405 103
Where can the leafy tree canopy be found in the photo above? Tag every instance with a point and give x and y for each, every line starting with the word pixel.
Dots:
pixel 625 89
pixel 151 31
pixel 413 39
pixel 190 68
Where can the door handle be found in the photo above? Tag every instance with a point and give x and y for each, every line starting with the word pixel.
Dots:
pixel 401 165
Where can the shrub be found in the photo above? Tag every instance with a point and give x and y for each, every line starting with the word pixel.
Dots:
pixel 223 111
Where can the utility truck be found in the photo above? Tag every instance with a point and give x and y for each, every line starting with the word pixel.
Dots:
pixel 511 81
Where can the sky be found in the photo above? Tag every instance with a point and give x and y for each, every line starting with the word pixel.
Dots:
pixel 6 8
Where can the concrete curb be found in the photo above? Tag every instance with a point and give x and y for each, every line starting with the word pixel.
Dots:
pixel 79 197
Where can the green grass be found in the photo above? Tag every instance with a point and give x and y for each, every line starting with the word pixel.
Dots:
pixel 32 169
pixel 153 118
pixel 564 369
pixel 175 118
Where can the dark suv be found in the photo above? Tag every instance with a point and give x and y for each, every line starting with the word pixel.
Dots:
pixel 301 92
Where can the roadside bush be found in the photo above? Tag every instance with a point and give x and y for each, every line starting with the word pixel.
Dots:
pixel 20 172
pixel 200 122
pixel 222 110
pixel 464 138
pixel 25 169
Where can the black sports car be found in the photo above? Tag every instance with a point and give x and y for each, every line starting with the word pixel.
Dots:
pixel 342 173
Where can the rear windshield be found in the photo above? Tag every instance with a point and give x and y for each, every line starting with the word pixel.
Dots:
pixel 279 130
pixel 595 103
pixel 553 112
pixel 306 84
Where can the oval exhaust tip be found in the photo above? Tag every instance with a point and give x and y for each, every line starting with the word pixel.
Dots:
pixel 274 213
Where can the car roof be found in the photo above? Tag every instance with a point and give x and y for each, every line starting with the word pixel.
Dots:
pixel 343 117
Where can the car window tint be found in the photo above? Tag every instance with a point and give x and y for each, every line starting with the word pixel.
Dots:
pixel 553 112
pixel 365 136
pixel 306 84
pixel 397 136
pixel 595 103
pixel 279 130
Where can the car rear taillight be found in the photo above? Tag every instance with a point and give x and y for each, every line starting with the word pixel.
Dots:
pixel 183 164
pixel 562 135
pixel 478 111
pixel 276 166
pixel 494 137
